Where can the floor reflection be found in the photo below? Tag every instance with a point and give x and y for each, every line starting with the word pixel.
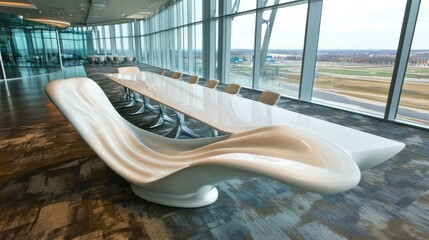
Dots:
pixel 26 96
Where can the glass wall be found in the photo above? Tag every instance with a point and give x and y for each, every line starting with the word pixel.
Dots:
pixel 242 49
pixel 357 50
pixel 261 44
pixel 73 43
pixel 29 49
pixel 414 104
pixel 282 44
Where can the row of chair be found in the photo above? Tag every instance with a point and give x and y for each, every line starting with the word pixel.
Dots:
pixel 267 97
pixel 114 60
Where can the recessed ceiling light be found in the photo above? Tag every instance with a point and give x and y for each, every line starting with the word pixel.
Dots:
pixel 139 15
pixel 16 5
pixel 56 23
pixel 101 5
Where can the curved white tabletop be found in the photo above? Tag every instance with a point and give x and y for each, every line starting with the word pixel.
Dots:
pixel 233 114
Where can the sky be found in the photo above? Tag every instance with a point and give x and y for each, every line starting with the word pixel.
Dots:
pixel 345 24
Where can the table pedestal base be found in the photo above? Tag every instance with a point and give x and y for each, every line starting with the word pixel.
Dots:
pixel 205 196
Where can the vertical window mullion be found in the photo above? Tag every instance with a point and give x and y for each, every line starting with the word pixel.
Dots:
pixel 403 53
pixel 308 68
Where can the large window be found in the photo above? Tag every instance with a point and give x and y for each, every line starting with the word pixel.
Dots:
pixel 414 104
pixel 239 6
pixel 198 50
pixel 242 47
pixel 282 43
pixel 261 44
pixel 357 50
pixel 36 47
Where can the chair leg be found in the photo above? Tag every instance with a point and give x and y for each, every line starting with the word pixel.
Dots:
pixel 182 129
pixel 149 106
pixel 214 132
pixel 133 101
pixel 126 96
pixel 163 110
pixel 145 105
pixel 162 116
pixel 140 111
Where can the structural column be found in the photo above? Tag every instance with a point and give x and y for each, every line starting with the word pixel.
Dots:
pixel 209 39
pixel 314 14
pixel 224 40
pixel 403 53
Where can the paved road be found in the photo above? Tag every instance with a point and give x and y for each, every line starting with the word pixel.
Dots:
pixel 371 106
pixel 345 101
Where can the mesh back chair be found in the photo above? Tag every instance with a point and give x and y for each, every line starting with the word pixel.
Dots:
pixel 109 59
pixel 128 60
pixel 100 60
pixel 116 59
pixel 193 79
pixel 176 75
pixel 212 83
pixel 233 88
pixel 268 97
pixel 91 60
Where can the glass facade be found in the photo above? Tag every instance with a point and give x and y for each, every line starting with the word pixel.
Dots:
pixel 356 55
pixel 414 104
pixel 281 69
pixel 267 45
pixel 29 49
pixel 242 50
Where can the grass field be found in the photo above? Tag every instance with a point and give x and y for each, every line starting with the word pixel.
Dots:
pixel 373 83
pixel 365 82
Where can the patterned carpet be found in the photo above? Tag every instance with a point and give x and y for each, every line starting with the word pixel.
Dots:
pixel 54 187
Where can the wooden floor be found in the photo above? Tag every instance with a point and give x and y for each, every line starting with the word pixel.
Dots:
pixel 24 102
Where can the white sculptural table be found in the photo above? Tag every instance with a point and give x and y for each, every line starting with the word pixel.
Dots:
pixel 234 114
pixel 300 151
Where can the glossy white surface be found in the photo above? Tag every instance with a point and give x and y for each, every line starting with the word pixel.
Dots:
pixel 234 114
pixel 183 173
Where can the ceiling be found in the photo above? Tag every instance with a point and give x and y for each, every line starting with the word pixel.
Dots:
pixel 87 12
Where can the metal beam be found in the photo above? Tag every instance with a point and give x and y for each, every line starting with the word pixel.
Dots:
pixel 209 39
pixel 314 14
pixel 257 47
pixel 190 40
pixel 261 51
pixel 402 55
pixel 224 49
pixel 137 42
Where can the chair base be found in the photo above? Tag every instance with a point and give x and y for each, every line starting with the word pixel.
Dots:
pixel 145 106
pixel 162 116
pixel 205 196
pixel 181 128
